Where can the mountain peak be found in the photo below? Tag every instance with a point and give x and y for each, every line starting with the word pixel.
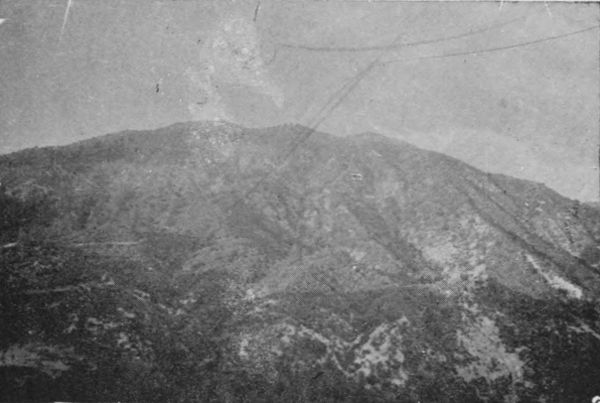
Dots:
pixel 203 249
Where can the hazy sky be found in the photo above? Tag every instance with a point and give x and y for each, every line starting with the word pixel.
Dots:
pixel 72 69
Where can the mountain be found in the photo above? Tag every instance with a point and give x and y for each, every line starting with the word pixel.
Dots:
pixel 210 262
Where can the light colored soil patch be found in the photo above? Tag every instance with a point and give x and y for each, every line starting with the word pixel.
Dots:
pixel 376 354
pixel 555 281
pixel 51 360
pixel 491 360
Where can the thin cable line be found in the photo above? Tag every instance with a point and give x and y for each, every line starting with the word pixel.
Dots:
pixel 396 45
pixel 345 91
pixel 321 115
pixel 494 49
pixel 341 94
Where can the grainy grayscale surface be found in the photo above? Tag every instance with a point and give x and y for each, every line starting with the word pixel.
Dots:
pixel 309 201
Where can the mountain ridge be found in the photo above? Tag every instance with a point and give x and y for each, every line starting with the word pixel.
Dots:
pixel 205 249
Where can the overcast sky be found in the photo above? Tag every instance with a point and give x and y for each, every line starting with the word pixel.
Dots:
pixel 81 68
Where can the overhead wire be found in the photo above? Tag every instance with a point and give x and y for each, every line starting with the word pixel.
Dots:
pixel 336 98
pixel 394 46
pixel 495 49
pixel 342 93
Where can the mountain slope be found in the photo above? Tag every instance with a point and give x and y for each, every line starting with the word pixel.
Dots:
pixel 352 268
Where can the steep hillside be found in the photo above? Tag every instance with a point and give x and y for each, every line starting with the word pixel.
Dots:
pixel 207 261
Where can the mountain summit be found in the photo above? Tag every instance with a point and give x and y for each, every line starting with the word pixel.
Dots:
pixel 207 261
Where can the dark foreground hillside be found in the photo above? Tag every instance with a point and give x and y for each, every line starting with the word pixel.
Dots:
pixel 205 262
